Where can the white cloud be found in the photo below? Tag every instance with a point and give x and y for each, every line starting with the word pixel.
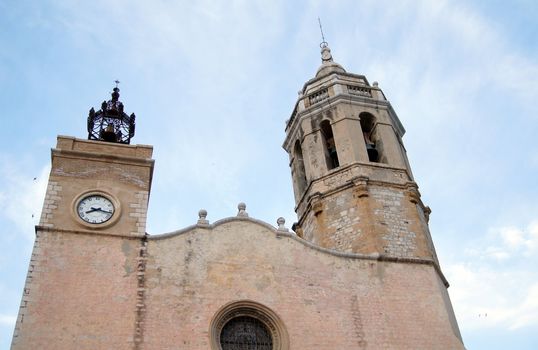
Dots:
pixel 518 240
pixel 7 320
pixel 496 283
pixel 512 236
pixel 485 297
pixel 21 197
pixel 527 313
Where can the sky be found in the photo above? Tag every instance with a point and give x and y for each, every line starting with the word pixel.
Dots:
pixel 212 83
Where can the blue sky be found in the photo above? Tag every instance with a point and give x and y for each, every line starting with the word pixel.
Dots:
pixel 212 83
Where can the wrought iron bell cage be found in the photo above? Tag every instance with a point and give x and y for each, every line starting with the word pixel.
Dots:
pixel 110 123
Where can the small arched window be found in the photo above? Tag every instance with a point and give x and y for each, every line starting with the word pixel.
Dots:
pixel 329 146
pixel 368 128
pixel 300 173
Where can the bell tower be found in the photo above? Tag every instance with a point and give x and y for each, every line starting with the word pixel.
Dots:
pixel 354 189
pixel 90 240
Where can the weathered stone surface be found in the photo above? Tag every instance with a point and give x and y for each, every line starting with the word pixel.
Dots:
pixel 325 301
pixel 80 293
pixel 80 166
pixel 85 294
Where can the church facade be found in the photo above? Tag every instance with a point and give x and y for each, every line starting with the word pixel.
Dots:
pixel 357 271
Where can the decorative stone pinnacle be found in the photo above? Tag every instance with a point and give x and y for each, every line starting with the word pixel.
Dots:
pixel 202 214
pixel 280 222
pixel 242 210
pixel 326 55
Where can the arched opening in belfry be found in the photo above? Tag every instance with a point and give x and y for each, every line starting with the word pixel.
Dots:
pixel 368 124
pixel 300 173
pixel 331 155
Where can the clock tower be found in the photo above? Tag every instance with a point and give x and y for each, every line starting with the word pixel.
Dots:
pixel 90 236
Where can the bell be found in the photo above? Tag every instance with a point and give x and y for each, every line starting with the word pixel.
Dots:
pixel 372 152
pixel 108 134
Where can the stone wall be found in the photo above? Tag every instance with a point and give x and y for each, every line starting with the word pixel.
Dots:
pixel 368 218
pixel 50 204
pixel 80 293
pixel 324 300
pixel 98 291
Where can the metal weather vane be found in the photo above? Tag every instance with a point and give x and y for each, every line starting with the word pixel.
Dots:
pixel 326 55
pixel 323 42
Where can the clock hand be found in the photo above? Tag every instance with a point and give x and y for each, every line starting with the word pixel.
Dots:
pixel 98 209
pixel 101 209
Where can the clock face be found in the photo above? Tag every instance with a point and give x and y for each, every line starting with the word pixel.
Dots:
pixel 95 209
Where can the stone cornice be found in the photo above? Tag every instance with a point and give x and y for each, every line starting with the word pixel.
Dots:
pixel 279 233
pixel 109 158
pixel 321 77
pixel 308 244
pixel 345 185
pixel 375 256
pixel 212 226
pixel 87 232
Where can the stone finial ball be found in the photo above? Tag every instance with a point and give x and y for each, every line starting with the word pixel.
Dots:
pixel 241 206
pixel 280 221
pixel 376 84
pixel 202 214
